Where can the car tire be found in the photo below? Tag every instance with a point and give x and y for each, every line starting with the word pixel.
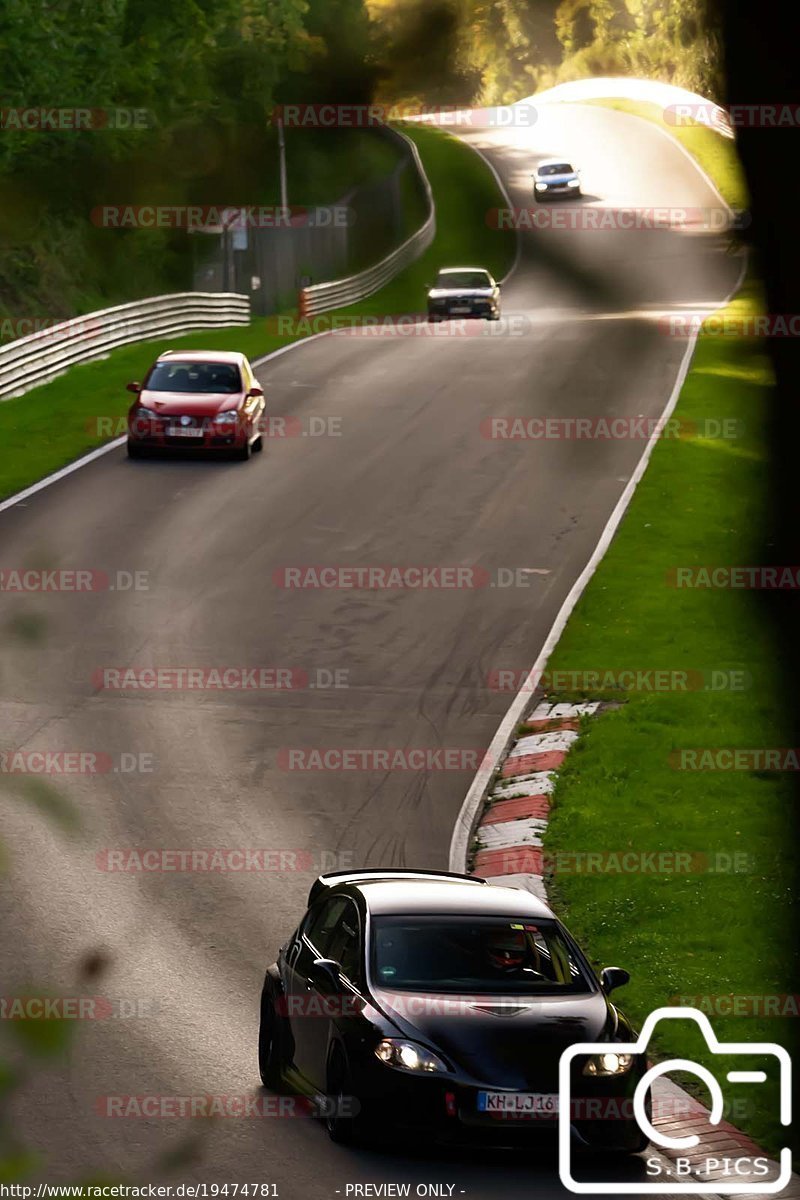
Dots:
pixel 272 1044
pixel 345 1131
pixel 242 453
pixel 258 445
pixel 135 450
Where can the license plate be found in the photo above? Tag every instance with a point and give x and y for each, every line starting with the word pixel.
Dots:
pixel 461 308
pixel 185 431
pixel 521 1104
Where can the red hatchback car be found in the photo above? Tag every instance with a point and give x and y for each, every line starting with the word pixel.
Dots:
pixel 197 400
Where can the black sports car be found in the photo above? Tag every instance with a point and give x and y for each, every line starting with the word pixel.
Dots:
pixel 440 1004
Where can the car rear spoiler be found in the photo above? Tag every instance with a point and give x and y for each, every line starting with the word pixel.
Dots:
pixel 372 873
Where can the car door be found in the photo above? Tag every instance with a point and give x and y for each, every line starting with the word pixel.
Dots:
pixel 304 1004
pixel 339 1009
pixel 254 405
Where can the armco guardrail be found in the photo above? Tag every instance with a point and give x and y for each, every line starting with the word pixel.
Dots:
pixel 41 356
pixel 321 297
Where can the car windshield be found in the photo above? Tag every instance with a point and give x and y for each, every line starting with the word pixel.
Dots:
pixel 463 279
pixel 557 169
pixel 474 954
pixel 201 377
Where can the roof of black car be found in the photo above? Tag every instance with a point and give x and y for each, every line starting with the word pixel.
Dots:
pixel 398 898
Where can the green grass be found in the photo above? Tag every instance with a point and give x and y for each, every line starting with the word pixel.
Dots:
pixel 56 423
pixel 698 934
pixel 715 154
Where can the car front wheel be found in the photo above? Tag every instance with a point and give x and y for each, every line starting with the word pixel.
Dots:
pixel 344 1122
pixel 272 1056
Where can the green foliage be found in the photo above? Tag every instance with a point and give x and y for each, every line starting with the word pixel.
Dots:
pixel 498 51
pixel 204 75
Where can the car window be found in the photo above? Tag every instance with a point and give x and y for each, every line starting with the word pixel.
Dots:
pixel 463 279
pixel 557 169
pixel 459 954
pixel 194 377
pixel 321 924
pixel 345 947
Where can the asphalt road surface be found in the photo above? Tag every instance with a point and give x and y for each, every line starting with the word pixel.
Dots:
pixel 401 474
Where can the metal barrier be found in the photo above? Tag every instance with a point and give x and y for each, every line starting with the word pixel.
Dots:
pixel 40 357
pixel 321 297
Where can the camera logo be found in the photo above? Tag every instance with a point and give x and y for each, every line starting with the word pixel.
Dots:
pixel 729 1177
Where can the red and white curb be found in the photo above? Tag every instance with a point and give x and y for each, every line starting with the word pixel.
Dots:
pixel 508 836
pixel 508 851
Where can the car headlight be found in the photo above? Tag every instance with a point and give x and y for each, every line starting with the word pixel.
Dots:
pixel 541 187
pixel 226 418
pixel 574 182
pixel 409 1056
pixel 604 1065
pixel 144 414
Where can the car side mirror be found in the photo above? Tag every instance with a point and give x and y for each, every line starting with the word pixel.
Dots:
pixel 325 974
pixel 613 977
pixel 133 387
pixel 256 391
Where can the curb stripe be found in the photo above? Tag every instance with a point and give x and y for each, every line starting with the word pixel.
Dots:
pixel 533 762
pixel 510 810
pixel 539 784
pixel 525 832
pixel 539 742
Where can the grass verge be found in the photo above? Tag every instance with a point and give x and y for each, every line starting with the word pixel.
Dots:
pixel 56 423
pixel 715 930
pixel 714 153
